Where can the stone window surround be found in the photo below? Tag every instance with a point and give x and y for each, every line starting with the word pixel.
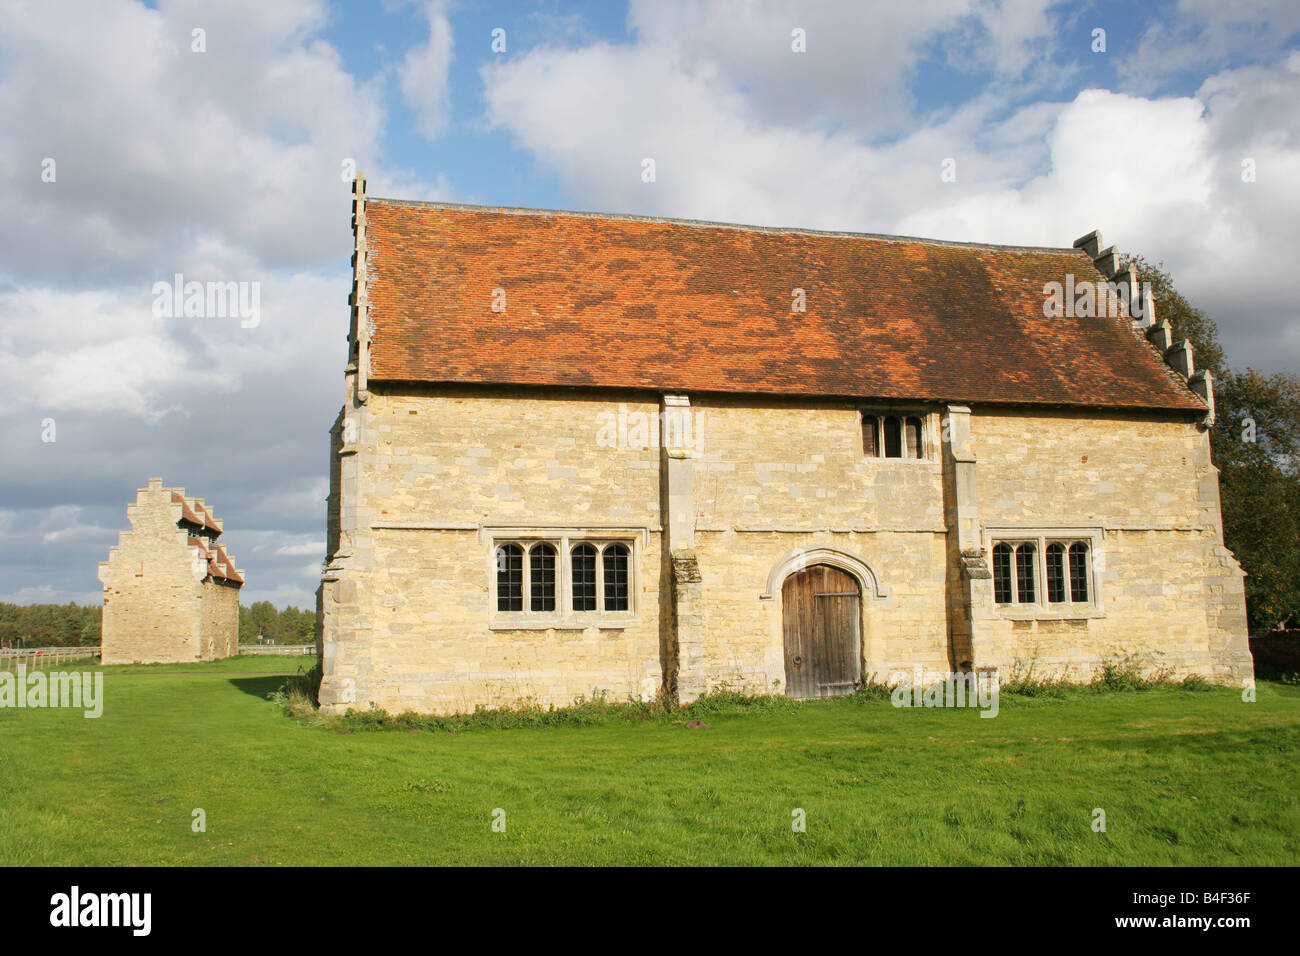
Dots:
pixel 1040 537
pixel 929 417
pixel 564 540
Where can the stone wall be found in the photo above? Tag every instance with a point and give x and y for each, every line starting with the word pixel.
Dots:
pixel 755 489
pixel 220 603
pixel 779 481
pixel 1162 576
pixel 433 482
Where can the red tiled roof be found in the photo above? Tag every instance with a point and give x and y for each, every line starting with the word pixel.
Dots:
pixel 209 521
pixel 195 513
pixel 230 573
pixel 187 510
pixel 220 564
pixel 624 302
pixel 214 569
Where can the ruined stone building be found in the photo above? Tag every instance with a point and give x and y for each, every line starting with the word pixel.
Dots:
pixel 171 592
pixel 585 453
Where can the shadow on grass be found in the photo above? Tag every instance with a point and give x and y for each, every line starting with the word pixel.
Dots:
pixel 260 687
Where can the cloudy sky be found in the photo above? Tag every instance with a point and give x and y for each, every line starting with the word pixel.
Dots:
pixel 214 140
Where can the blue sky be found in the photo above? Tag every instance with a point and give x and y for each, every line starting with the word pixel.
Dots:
pixel 486 167
pixel 223 164
pixel 483 165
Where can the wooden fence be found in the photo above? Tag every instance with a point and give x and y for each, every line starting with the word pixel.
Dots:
pixel 42 658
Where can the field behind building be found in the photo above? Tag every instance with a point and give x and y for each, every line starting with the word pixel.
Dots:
pixel 1183 777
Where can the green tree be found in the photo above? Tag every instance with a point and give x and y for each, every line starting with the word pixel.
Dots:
pixel 265 620
pixel 288 626
pixel 1256 443
pixel 90 633
pixel 50 625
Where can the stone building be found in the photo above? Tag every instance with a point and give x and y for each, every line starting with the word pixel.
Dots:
pixel 590 453
pixel 171 592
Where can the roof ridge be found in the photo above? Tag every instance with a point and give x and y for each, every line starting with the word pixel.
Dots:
pixel 715 224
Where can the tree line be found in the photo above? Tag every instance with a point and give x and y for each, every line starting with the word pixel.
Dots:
pixel 75 625
pixel 49 625
pixel 290 626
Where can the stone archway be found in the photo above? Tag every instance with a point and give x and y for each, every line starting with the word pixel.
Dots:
pixel 804 558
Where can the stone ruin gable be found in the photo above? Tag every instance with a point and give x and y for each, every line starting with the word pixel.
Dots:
pixel 171 592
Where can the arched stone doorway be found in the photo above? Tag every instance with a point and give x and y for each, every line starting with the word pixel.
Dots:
pixel 821 610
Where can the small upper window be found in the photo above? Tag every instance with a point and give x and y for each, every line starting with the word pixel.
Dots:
pixel 892 436
pixel 871 436
pixel 912 437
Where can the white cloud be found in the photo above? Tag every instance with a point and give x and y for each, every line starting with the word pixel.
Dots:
pixel 857 64
pixel 424 70
pixel 220 165
pixel 105 351
pixel 1199 35
pixel 300 548
pixel 47 594
pixel 159 149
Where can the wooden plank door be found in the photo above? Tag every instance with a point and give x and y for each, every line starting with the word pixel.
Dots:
pixel 823 646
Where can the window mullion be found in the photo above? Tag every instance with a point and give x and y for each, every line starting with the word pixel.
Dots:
pixel 527 583
pixel 1040 570
pixel 564 579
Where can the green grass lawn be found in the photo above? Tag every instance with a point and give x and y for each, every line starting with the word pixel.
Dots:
pixel 1184 777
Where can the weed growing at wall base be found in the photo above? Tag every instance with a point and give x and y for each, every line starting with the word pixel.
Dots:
pixel 981 691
